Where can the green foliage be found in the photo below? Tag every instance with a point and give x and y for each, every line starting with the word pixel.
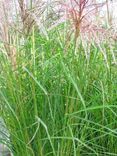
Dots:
pixel 58 102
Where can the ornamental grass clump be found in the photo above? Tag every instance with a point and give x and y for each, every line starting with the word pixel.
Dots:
pixel 55 103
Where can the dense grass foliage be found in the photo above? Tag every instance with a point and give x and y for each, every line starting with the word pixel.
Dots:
pixel 59 102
